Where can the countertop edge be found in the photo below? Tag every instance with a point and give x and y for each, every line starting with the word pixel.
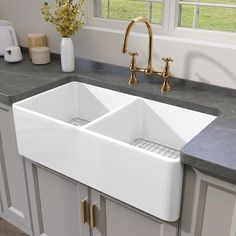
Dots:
pixel 209 168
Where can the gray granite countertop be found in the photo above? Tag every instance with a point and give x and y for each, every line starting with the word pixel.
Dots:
pixel 212 151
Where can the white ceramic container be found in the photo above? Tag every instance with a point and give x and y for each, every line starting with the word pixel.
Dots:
pixel 40 55
pixel 13 54
pixel 67 55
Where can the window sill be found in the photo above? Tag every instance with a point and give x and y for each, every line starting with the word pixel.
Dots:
pixel 178 36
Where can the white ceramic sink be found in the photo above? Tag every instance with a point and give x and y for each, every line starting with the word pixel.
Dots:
pixel 101 153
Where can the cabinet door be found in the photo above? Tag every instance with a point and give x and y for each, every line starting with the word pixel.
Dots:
pixel 14 199
pixel 56 203
pixel 112 218
pixel 209 206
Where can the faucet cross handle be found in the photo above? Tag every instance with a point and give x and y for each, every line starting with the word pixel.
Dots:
pixel 133 54
pixel 167 59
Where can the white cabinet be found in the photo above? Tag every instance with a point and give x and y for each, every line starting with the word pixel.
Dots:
pixel 112 218
pixel 56 203
pixel 209 206
pixel 13 198
pixel 58 210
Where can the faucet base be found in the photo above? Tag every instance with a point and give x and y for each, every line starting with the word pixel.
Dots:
pixel 133 79
pixel 166 87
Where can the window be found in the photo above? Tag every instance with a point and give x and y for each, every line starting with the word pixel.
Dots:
pixel 128 9
pixel 208 14
pixel 213 20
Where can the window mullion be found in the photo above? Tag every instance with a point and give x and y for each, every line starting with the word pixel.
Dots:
pixel 147 4
pixel 173 16
pixel 108 9
pixel 98 9
pixel 150 11
pixel 165 16
pixel 195 14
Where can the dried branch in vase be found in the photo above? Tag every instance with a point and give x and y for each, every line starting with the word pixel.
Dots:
pixel 67 18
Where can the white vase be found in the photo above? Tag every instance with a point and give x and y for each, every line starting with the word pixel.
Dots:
pixel 67 55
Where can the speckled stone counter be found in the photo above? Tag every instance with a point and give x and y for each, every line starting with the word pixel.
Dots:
pixel 213 151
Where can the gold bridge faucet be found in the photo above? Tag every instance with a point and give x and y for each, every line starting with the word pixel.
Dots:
pixel 133 68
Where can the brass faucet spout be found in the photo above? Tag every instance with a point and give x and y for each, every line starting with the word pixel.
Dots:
pixel 129 29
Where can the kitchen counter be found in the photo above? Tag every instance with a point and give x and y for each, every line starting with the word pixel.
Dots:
pixel 213 151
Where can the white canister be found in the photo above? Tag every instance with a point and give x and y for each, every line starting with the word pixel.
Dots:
pixel 13 54
pixel 40 55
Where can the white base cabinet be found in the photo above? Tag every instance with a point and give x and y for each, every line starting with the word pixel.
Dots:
pixel 113 218
pixel 58 210
pixel 14 206
pixel 55 203
pixel 208 207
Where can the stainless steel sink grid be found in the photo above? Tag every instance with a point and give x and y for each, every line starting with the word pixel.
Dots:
pixel 156 148
pixel 78 121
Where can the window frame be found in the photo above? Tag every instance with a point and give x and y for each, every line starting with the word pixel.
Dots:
pixel 120 25
pixel 169 27
pixel 195 33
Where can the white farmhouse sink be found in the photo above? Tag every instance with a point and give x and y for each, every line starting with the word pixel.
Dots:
pixel 127 148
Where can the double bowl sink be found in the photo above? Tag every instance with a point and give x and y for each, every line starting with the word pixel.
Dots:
pixel 124 146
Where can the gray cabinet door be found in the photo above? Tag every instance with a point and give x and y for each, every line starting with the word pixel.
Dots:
pixel 209 206
pixel 13 198
pixel 56 203
pixel 111 218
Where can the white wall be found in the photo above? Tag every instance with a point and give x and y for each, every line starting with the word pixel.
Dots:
pixel 195 60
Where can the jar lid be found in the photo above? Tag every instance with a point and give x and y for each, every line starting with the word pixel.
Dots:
pixel 36 35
